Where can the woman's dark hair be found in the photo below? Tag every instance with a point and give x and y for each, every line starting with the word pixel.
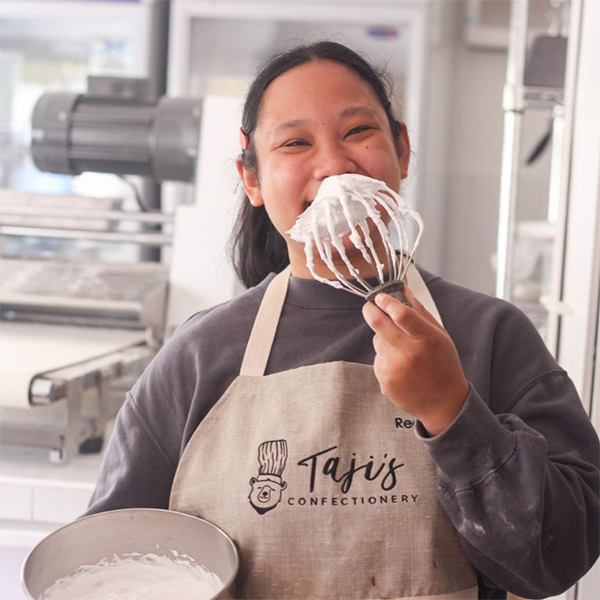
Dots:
pixel 256 247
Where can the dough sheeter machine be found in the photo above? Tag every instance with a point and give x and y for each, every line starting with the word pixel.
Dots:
pixel 75 334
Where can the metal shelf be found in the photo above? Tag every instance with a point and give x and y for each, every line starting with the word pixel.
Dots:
pixel 535 82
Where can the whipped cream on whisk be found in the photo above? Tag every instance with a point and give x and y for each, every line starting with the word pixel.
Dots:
pixel 341 202
pixel 345 204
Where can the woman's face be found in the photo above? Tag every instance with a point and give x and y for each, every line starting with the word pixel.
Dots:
pixel 316 120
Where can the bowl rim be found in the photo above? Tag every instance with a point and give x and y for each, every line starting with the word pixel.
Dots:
pixel 226 584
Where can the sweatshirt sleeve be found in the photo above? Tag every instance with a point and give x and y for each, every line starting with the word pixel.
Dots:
pixel 136 472
pixel 521 487
pixel 165 406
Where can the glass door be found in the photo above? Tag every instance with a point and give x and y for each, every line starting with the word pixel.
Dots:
pixel 53 46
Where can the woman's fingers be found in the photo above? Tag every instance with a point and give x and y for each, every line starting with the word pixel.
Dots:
pixel 409 320
pixel 416 363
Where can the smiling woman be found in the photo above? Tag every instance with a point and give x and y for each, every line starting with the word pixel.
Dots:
pixel 341 127
pixel 318 110
pixel 438 445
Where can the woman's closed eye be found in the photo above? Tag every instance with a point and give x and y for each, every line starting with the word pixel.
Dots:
pixel 353 132
pixel 294 143
pixel 357 130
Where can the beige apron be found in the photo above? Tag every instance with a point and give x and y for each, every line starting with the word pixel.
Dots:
pixel 320 481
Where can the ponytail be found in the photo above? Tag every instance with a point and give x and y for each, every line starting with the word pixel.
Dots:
pixel 256 247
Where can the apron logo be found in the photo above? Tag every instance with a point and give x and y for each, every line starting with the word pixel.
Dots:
pixel 267 488
pixel 372 470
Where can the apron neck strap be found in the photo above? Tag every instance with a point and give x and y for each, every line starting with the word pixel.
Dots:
pixel 265 325
pixel 419 288
pixel 261 339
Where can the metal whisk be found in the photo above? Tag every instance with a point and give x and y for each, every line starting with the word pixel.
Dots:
pixel 344 205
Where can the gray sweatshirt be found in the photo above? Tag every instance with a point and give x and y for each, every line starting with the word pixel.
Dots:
pixel 519 465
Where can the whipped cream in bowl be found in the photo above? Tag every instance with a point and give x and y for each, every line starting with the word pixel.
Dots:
pixel 137 577
pixel 132 554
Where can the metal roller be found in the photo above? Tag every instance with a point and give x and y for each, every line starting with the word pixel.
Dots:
pixel 116 127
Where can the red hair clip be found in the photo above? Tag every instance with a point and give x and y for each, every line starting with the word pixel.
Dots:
pixel 244 140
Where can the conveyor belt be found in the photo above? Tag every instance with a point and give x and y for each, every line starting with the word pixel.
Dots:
pixel 30 349
pixel 69 280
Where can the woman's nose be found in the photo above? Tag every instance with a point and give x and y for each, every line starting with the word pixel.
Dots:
pixel 333 160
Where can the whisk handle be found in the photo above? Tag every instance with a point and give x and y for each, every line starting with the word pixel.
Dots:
pixel 393 288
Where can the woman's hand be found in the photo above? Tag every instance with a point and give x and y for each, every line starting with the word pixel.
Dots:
pixel 416 363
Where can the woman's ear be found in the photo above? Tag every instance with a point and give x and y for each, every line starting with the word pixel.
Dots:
pixel 251 183
pixel 403 149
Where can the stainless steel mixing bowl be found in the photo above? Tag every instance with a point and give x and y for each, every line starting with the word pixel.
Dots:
pixel 144 530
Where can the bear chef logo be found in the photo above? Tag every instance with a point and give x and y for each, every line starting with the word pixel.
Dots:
pixel 266 490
